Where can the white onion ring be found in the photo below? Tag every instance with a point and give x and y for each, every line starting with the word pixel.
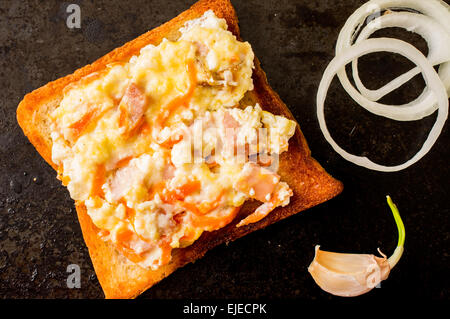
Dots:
pixel 444 74
pixel 436 9
pixel 437 38
pixel 431 79
pixel 424 105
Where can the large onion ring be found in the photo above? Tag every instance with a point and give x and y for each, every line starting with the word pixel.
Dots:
pixel 431 79
pixel 437 38
pixel 425 104
pixel 436 9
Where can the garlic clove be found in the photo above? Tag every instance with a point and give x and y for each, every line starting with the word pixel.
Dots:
pixel 348 275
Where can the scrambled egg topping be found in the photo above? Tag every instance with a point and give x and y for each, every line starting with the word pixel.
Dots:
pixel 159 148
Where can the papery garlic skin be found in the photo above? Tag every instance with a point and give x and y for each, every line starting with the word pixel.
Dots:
pixel 348 275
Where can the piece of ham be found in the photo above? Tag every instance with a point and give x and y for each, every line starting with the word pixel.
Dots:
pixel 279 197
pixel 229 121
pixel 257 182
pixel 261 184
pixel 132 108
pixel 124 179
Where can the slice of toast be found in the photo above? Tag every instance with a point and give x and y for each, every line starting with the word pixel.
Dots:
pixel 121 278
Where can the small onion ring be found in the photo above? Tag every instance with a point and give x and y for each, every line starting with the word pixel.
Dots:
pixel 438 40
pixel 431 79
pixel 425 104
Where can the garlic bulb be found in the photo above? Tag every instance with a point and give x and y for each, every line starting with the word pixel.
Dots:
pixel 350 275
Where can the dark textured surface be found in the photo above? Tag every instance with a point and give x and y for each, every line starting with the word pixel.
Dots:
pixel 39 231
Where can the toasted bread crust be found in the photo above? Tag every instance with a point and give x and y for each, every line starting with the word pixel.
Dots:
pixel 119 277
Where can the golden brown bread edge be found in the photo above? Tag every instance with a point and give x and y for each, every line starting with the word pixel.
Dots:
pixel 119 277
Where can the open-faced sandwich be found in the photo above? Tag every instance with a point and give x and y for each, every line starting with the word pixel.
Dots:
pixel 170 145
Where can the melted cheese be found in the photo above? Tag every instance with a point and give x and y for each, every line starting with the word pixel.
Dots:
pixel 149 145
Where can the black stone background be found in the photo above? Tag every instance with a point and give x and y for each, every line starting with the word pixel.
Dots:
pixel 39 230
